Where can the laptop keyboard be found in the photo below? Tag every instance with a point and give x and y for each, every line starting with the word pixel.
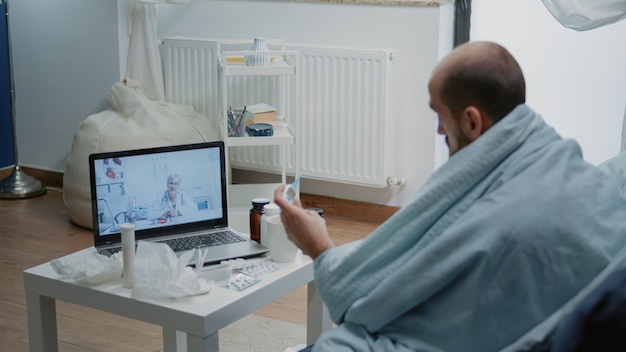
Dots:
pixel 204 240
pixel 191 242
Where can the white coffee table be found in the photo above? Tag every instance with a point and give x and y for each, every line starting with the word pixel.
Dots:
pixel 192 323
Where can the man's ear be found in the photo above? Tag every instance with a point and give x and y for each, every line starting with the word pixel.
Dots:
pixel 475 122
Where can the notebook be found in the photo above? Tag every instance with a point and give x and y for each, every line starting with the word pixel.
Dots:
pixel 173 194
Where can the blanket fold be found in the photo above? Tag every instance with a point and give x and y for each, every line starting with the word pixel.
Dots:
pixel 509 219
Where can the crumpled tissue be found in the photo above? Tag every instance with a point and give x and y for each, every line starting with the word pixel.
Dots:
pixel 88 268
pixel 159 273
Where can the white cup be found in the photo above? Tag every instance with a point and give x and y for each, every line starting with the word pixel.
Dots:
pixel 281 248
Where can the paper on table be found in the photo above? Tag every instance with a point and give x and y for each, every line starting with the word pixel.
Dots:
pixel 160 273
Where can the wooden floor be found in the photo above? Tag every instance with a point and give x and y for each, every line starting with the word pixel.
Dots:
pixel 36 230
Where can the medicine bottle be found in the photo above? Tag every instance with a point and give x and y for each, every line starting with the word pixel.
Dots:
pixel 268 210
pixel 319 212
pixel 255 218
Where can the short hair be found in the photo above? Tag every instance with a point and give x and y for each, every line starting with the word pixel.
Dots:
pixel 174 176
pixel 492 81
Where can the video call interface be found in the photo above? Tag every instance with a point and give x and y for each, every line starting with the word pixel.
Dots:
pixel 158 190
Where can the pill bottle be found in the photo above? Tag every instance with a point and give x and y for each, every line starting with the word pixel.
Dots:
pixel 319 211
pixel 268 210
pixel 255 218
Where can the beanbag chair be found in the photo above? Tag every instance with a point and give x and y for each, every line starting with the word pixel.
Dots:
pixel 132 121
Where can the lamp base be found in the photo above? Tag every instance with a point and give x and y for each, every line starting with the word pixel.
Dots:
pixel 19 185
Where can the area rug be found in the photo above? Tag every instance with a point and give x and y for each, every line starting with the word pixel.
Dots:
pixel 256 333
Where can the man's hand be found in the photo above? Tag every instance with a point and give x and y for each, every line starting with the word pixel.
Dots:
pixel 304 228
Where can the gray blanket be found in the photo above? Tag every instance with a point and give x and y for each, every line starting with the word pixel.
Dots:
pixel 498 239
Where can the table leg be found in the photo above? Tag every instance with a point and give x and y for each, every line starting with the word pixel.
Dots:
pixel 318 318
pixel 42 323
pixel 170 340
pixel 203 344
pixel 181 342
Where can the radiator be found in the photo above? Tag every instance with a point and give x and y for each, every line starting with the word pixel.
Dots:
pixel 190 74
pixel 342 110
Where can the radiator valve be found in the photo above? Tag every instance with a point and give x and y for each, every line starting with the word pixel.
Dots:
pixel 396 181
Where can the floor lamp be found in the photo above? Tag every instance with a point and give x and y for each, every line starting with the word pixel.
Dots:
pixel 18 184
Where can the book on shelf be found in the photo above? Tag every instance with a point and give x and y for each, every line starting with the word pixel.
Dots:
pixel 261 113
pixel 240 60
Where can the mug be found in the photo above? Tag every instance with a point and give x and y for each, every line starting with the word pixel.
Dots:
pixel 282 250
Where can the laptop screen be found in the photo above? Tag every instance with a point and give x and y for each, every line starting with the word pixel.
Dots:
pixel 163 191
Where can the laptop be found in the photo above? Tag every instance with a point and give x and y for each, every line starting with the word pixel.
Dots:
pixel 173 194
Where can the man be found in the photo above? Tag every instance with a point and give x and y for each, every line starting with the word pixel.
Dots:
pixel 616 166
pixel 500 237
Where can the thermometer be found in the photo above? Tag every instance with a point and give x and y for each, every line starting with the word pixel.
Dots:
pixel 291 191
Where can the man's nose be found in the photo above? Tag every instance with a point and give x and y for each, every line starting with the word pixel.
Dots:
pixel 440 129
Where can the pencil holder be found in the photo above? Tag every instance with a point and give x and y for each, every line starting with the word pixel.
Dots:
pixel 236 123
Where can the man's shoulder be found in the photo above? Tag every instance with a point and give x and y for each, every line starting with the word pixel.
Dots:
pixel 616 167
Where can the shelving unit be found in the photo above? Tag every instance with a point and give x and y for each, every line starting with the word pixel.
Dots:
pixel 284 65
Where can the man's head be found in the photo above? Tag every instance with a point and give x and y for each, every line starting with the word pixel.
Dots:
pixel 473 88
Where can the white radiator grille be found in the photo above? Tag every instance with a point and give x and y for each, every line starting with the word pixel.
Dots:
pixel 190 74
pixel 341 117
pixel 342 114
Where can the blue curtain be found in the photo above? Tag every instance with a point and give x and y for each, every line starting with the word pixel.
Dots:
pixel 6 124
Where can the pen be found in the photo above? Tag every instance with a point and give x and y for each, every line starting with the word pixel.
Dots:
pixel 242 119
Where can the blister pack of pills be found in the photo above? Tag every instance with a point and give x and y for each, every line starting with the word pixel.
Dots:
pixel 241 282
pixel 236 263
pixel 215 273
pixel 256 268
pixel 259 269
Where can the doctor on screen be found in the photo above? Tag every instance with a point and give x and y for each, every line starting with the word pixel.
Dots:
pixel 174 202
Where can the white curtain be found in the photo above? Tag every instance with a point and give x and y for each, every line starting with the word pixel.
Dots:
pixel 144 61
pixel 586 14
pixel 582 15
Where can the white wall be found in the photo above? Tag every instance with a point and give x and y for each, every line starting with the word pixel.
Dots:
pixel 415 33
pixel 576 80
pixel 68 53
pixel 65 60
